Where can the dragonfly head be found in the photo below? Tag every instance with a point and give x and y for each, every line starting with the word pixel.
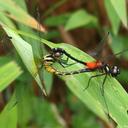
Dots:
pixel 57 53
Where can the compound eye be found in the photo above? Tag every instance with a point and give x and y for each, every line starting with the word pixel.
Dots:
pixel 115 71
pixel 57 54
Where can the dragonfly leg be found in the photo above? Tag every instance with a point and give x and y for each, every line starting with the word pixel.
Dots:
pixel 64 63
pixel 92 78
pixel 102 92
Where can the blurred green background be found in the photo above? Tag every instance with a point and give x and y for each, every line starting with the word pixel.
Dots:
pixel 28 29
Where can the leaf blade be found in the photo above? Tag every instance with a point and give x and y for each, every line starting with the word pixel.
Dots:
pixel 8 73
pixel 120 9
pixel 25 51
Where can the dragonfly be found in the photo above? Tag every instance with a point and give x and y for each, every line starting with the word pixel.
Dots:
pixel 103 68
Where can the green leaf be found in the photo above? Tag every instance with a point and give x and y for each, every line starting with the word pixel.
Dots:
pixel 115 20
pixel 47 114
pixel 82 117
pixel 6 20
pixel 25 51
pixel 120 9
pixel 80 18
pixel 119 43
pixel 8 117
pixel 4 60
pixel 21 3
pixel 48 80
pixel 54 21
pixel 8 73
pixel 24 97
pixel 36 108
pixel 115 95
pixel 11 9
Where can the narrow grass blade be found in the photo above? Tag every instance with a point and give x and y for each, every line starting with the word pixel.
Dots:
pixel 8 73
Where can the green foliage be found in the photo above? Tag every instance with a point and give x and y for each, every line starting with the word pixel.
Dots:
pixel 120 9
pixel 8 72
pixel 54 21
pixel 92 98
pixel 115 21
pixel 117 12
pixel 8 117
pixel 80 18
pixel 19 15
pixel 27 110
